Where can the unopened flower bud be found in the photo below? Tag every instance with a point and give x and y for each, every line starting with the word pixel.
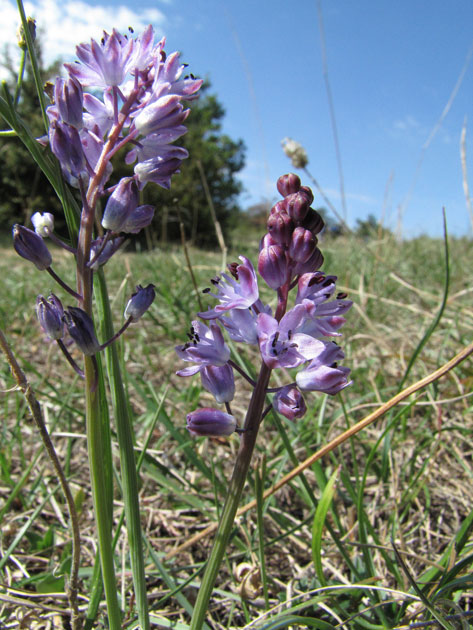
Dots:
pixel 288 184
pixel 20 34
pixel 280 206
pixel 313 221
pixel 66 145
pixel 267 241
pixel 297 206
pixel 311 264
pixel 50 316
pixel 210 422
pixel 68 98
pixel 140 302
pixel 31 246
pixel 43 223
pixel 272 266
pixel 302 246
pixel 120 205
pixel 290 403
pixel 281 226
pixel 307 191
pixel 219 381
pixel 81 328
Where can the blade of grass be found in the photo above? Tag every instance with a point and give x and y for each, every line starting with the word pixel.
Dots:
pixel 129 475
pixel 319 522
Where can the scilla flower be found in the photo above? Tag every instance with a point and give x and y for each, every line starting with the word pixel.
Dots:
pixel 291 337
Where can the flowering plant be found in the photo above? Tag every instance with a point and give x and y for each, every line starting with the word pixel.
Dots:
pixel 298 337
pixel 123 92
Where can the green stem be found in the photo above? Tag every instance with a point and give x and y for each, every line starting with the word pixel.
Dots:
pixel 34 64
pixel 240 471
pixel 96 448
pixel 129 475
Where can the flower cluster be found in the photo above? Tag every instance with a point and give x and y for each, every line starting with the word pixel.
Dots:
pixel 141 103
pixel 121 91
pixel 289 259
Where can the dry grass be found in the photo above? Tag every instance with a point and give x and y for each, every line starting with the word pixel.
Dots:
pixel 407 477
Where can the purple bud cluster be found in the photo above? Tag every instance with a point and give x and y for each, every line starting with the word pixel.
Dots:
pixel 289 249
pixel 297 337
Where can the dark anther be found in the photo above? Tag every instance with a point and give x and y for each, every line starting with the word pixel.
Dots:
pixel 328 282
pixel 289 334
pixel 275 340
pixel 215 280
pixel 131 29
pixel 232 268
pixel 196 336
pixel 316 279
pixel 341 296
pixel 207 290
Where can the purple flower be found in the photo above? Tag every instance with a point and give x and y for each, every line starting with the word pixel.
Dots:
pixel 31 246
pixel 206 346
pixel 105 64
pixel 315 286
pixel 281 345
pixel 241 325
pixel 50 316
pixel 160 168
pixel 239 291
pixel 311 264
pixel 281 227
pixel 323 374
pixel 140 302
pixel 210 422
pixel 98 116
pixel 219 381
pixel 111 246
pixel 81 329
pixel 323 316
pixel 289 402
pixel 163 113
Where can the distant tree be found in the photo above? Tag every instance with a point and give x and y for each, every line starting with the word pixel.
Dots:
pixel 370 228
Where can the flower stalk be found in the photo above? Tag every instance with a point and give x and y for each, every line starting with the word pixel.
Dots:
pixel 237 482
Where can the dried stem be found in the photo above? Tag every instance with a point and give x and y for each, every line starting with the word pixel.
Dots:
pixel 37 414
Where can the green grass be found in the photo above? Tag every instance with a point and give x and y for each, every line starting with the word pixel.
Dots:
pixel 388 544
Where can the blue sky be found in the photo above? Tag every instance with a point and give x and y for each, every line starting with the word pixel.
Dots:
pixel 393 67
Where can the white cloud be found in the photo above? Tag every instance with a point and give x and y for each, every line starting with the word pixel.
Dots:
pixel 408 123
pixel 63 25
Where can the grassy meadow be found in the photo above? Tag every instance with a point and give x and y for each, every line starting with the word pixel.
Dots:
pixel 375 534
